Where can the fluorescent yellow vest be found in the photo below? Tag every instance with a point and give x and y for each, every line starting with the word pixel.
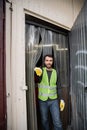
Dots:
pixel 47 89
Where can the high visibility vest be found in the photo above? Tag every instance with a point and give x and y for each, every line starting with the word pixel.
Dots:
pixel 47 89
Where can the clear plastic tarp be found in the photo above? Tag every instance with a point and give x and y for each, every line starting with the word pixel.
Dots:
pixel 40 42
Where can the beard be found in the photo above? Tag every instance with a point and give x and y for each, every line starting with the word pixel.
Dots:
pixel 48 66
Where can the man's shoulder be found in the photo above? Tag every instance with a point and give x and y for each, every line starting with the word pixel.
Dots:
pixel 54 69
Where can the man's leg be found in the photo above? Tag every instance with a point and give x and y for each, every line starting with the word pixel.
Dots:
pixel 44 114
pixel 54 109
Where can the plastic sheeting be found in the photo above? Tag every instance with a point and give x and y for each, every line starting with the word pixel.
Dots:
pixel 78 58
pixel 40 42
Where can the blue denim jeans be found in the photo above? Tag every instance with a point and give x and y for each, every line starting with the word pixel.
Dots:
pixel 53 107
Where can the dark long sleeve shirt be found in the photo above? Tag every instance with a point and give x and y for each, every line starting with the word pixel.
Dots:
pixel 39 78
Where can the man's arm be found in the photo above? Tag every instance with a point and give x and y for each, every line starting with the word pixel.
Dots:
pixel 59 88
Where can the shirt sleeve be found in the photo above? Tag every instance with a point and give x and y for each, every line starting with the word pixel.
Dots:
pixel 59 88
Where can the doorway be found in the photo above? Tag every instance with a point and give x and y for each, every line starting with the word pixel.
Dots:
pixel 43 38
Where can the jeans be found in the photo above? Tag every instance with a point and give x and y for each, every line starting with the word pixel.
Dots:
pixel 53 107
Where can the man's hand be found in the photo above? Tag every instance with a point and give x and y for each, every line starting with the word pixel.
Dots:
pixel 62 105
pixel 38 71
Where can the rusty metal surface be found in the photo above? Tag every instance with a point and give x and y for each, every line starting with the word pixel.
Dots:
pixel 2 67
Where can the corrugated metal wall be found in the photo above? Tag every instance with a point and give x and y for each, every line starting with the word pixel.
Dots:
pixel 78 58
pixel 2 67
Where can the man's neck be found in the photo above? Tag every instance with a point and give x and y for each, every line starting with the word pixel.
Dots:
pixel 49 69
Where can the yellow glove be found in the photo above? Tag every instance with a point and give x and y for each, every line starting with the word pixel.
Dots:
pixel 38 71
pixel 62 105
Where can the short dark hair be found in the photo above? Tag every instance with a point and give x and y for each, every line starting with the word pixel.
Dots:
pixel 49 55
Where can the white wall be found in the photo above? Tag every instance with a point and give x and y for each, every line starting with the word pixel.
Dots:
pixel 62 12
pixel 59 12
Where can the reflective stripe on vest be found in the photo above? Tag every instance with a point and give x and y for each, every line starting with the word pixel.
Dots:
pixel 44 95
pixel 50 87
pixel 46 88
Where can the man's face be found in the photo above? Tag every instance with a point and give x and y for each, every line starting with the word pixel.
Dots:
pixel 48 62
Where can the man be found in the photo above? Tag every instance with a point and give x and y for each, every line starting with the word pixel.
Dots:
pixel 47 94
